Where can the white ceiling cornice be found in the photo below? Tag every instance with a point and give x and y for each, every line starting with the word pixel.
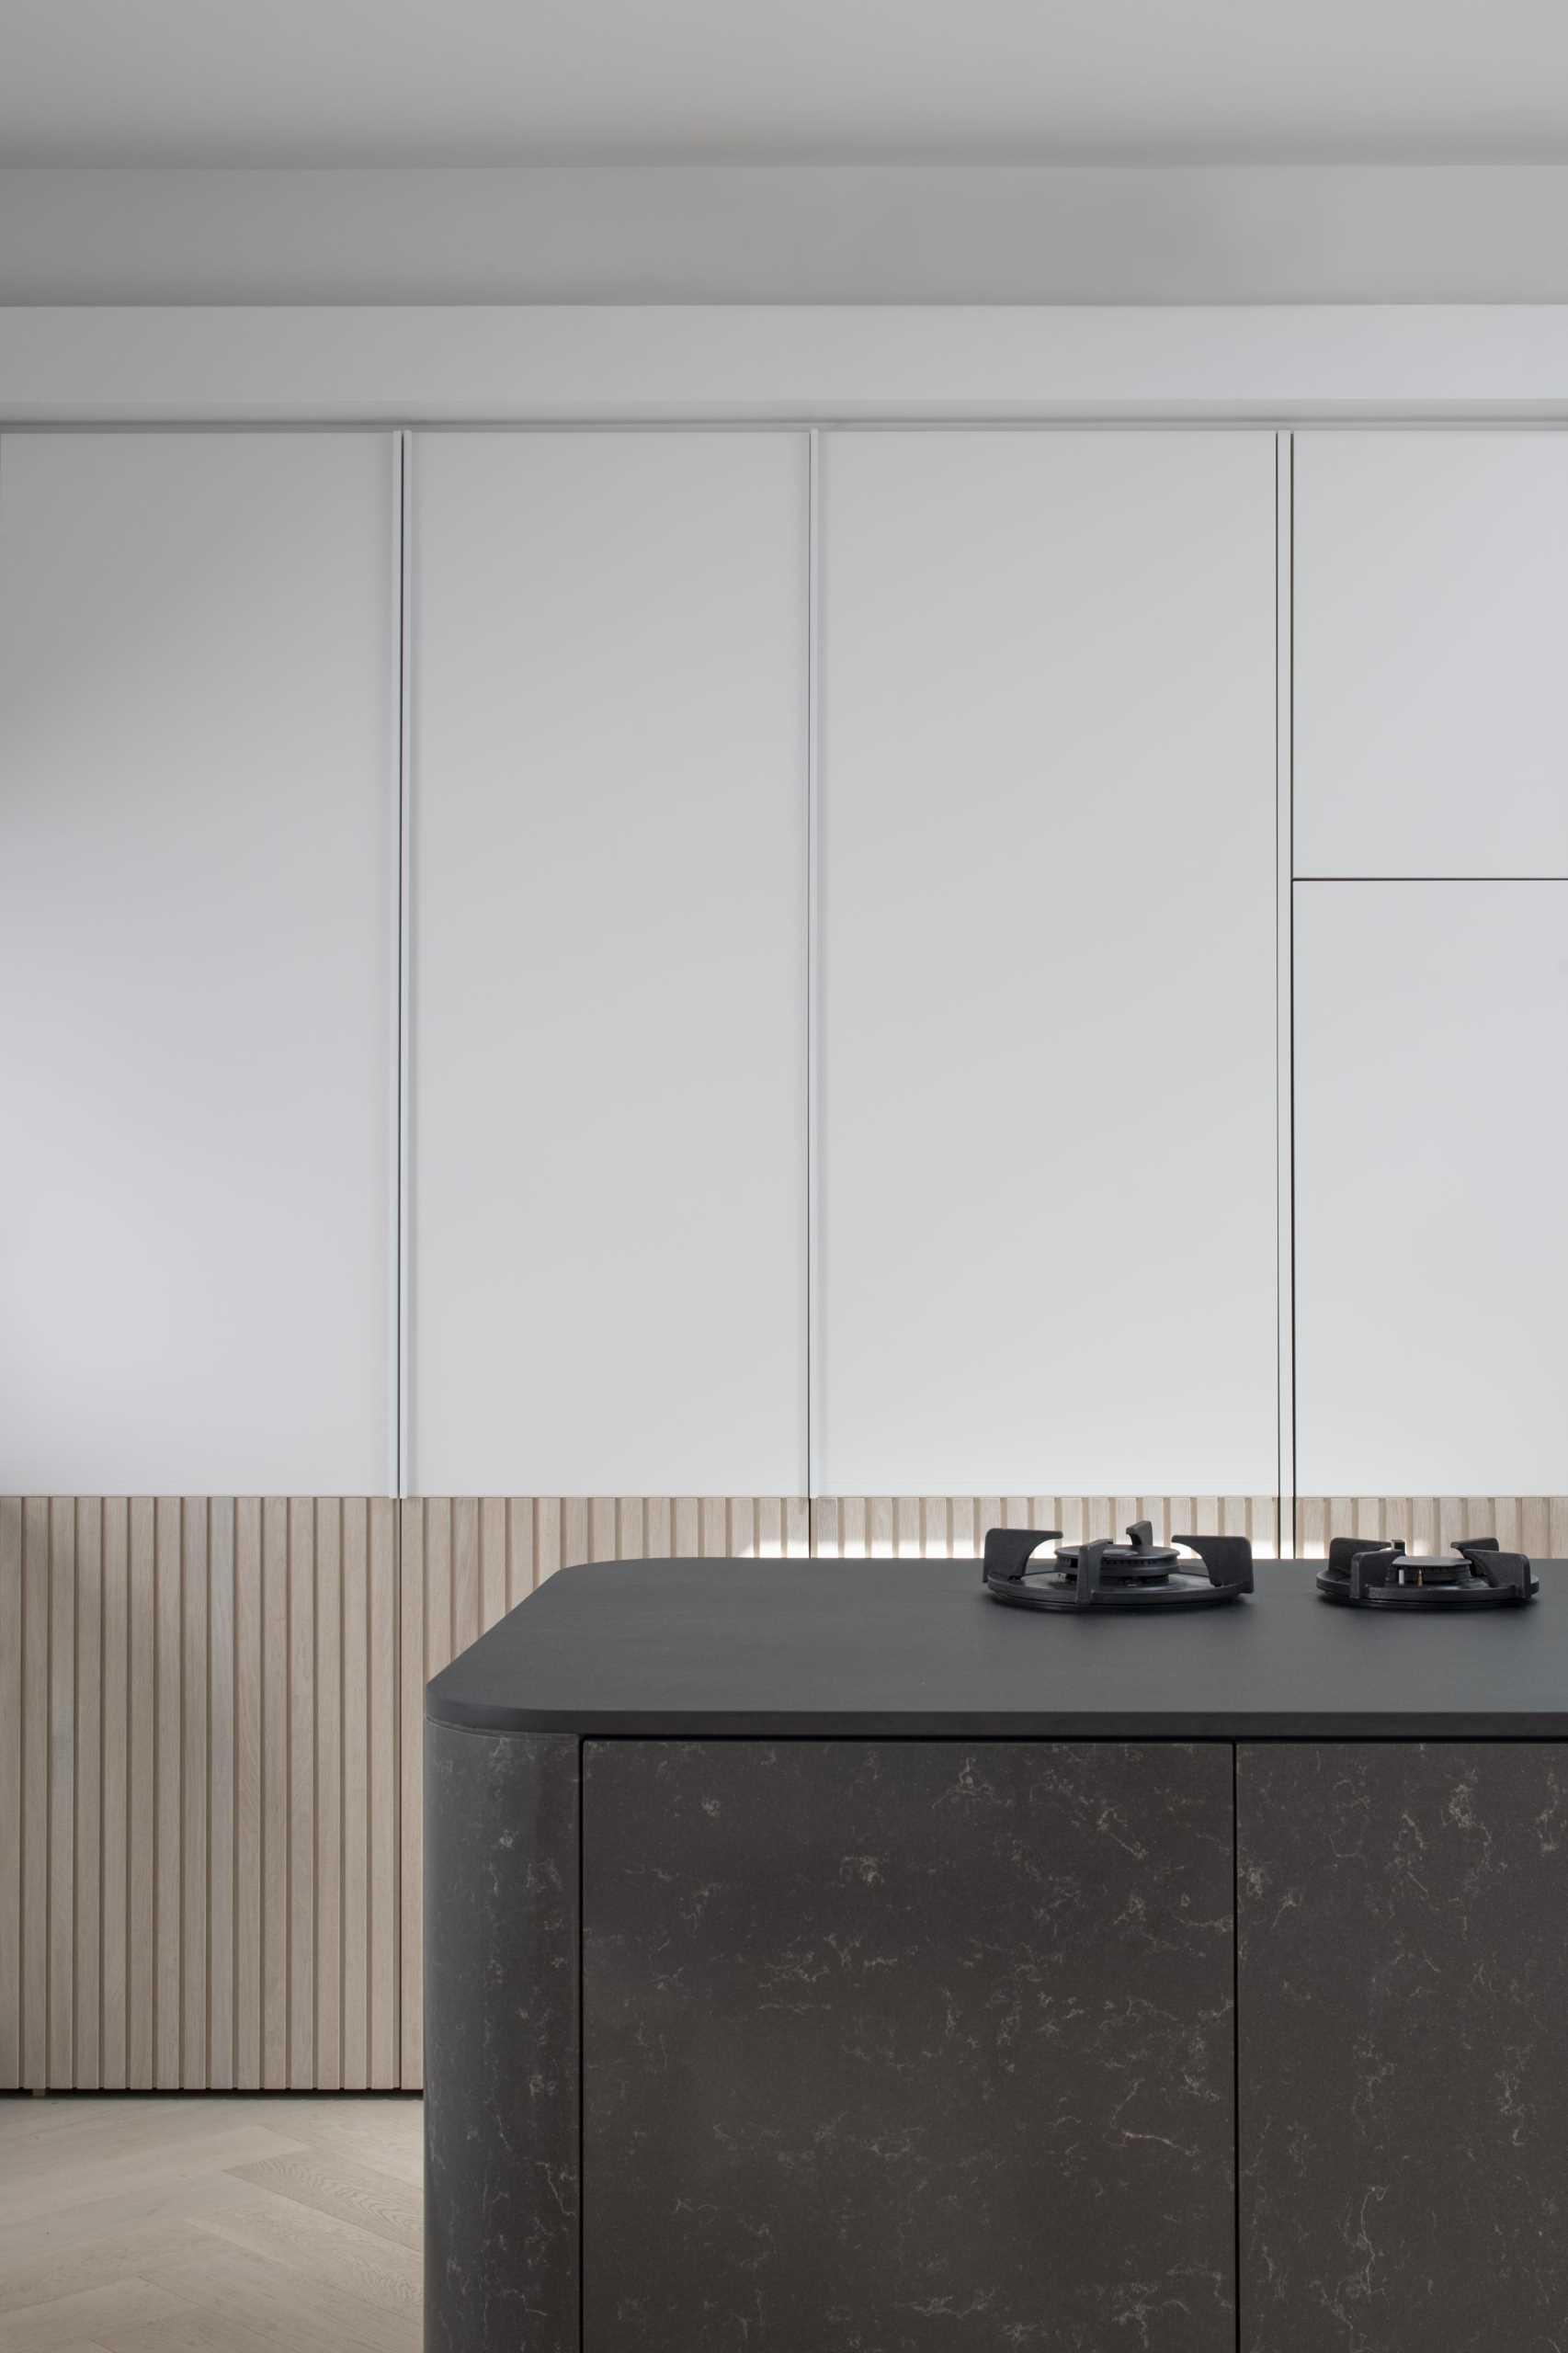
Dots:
pixel 447 365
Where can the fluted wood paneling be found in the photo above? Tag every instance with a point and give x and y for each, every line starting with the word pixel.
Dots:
pixel 953 1527
pixel 11 1788
pixel 211 1722
pixel 1534 1524
pixel 198 1792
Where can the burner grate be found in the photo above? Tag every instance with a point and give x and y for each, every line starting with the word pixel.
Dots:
pixel 1139 1575
pixel 1476 1574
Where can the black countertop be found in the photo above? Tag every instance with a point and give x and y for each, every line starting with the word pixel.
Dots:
pixel 785 1649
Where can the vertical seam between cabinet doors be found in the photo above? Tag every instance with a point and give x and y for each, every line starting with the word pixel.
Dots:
pixel 1284 990
pixel 1290 975
pixel 402 1106
pixel 814 956
pixel 1237 2028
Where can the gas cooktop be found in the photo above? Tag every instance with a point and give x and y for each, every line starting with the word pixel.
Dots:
pixel 1475 1575
pixel 1139 1575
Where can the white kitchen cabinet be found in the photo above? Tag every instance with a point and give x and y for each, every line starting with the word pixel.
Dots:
pixel 1431 589
pixel 1431 1246
pixel 1048 1208
pixel 609 982
pixel 198 780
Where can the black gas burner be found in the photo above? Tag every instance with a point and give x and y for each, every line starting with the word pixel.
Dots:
pixel 1474 1576
pixel 1139 1575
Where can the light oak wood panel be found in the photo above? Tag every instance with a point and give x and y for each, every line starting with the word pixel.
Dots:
pixel 198 1792
pixel 944 1527
pixel 1534 1524
pixel 35 1790
pixel 11 1789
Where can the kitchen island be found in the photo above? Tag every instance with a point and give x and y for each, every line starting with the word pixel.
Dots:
pixel 823 1960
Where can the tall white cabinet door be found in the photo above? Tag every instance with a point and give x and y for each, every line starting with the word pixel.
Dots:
pixel 608 964
pixel 1431 597
pixel 1431 1244
pixel 1047 1177
pixel 198 791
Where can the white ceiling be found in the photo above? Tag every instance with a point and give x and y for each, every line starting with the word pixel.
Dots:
pixel 291 82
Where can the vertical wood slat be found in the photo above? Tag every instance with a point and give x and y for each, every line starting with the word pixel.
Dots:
pixel 115 1735
pixel 86 1987
pixel 630 1522
pixel 141 1795
pixel 35 1792
pixel 249 1742
pixel 11 1792
pixel 428 1577
pixel 168 1569
pixel 223 1760
pixel 60 1570
pixel 198 1737
pixel 465 1604
pixel 411 1854
pixel 274 1793
pixel 521 1570
pixel 547 1537
pixel 494 1561
pixel 387 1768
pixel 300 1808
pixel 354 2023
pixel 575 1544
pixel 326 1975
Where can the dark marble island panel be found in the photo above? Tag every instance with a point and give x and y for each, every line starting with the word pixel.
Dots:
pixel 502 2046
pixel 892 2046
pixel 1403 2042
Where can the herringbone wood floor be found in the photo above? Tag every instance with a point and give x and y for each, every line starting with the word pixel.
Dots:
pixel 210 2224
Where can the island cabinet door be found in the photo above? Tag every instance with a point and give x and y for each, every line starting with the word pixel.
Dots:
pixel 900 2046
pixel 1403 2047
